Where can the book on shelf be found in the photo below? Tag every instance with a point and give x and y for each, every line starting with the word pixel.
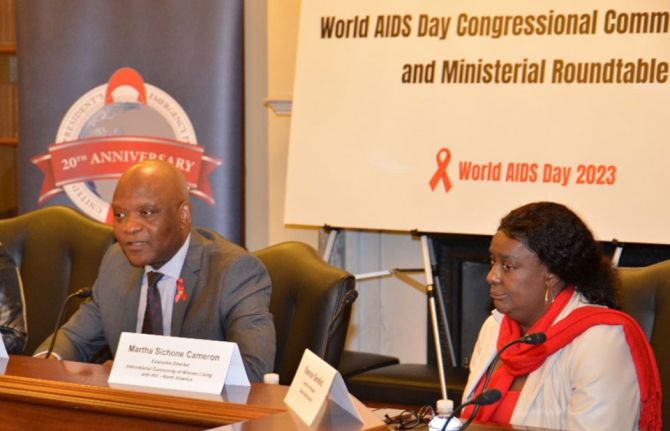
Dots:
pixel 7 22
pixel 8 110
pixel 9 101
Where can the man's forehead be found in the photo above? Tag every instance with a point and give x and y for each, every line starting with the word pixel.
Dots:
pixel 136 201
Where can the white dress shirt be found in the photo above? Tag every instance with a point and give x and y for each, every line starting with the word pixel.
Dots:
pixel 167 287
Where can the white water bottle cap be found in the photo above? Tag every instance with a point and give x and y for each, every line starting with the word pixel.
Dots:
pixel 271 378
pixel 445 407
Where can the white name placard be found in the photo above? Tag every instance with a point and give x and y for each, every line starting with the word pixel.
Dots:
pixel 4 357
pixel 3 349
pixel 185 364
pixel 314 383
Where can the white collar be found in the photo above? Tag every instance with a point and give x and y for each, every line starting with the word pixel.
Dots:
pixel 172 268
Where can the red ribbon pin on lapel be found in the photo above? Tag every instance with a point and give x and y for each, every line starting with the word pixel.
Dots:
pixel 181 295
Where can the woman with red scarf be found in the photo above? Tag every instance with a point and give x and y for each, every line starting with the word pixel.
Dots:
pixel 596 370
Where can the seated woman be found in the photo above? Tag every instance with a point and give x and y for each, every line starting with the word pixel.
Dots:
pixel 596 370
pixel 12 321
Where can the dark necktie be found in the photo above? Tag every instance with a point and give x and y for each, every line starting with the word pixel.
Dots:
pixel 153 316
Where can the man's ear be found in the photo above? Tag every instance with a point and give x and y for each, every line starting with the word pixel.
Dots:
pixel 185 215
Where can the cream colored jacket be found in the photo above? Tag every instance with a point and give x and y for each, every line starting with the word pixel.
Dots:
pixel 590 384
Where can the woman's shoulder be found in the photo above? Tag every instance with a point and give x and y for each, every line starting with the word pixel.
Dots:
pixel 602 337
pixel 599 343
pixel 492 323
pixel 488 332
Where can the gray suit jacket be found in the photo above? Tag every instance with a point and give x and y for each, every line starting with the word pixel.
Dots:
pixel 228 294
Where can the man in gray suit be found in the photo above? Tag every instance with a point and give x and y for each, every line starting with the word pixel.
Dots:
pixel 208 288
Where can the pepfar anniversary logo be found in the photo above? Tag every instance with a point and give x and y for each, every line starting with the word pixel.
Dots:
pixel 112 127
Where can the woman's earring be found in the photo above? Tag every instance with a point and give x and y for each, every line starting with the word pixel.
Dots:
pixel 547 300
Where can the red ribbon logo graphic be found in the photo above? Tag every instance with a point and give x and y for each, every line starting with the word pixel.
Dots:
pixel 443 157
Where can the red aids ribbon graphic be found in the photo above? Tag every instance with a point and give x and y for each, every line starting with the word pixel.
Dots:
pixel 181 295
pixel 443 156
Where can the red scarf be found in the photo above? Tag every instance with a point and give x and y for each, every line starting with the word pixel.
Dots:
pixel 522 359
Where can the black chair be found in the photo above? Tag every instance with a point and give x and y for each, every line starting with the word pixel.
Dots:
pixel 407 384
pixel 354 362
pixel 645 295
pixel 308 305
pixel 58 251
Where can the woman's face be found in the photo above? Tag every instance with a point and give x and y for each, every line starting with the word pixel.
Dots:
pixel 518 280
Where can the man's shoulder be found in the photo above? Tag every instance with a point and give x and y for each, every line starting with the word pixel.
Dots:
pixel 10 282
pixel 6 260
pixel 213 242
pixel 114 259
pixel 220 252
pixel 9 277
pixel 221 255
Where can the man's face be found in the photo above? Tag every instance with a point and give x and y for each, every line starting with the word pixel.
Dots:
pixel 150 223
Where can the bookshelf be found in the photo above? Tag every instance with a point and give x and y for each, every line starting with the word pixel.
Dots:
pixel 8 75
pixel 9 110
pixel 9 124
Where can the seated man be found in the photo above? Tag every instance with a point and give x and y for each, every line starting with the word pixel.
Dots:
pixel 207 287
pixel 12 321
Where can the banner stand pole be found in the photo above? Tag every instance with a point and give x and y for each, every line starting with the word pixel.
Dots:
pixel 430 291
pixel 330 244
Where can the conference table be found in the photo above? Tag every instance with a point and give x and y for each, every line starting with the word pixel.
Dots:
pixel 38 394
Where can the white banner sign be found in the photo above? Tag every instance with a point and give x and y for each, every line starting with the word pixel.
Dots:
pixel 185 364
pixel 443 116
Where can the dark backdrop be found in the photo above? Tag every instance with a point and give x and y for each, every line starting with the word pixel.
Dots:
pixel 192 50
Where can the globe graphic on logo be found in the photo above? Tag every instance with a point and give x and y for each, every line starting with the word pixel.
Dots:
pixel 123 119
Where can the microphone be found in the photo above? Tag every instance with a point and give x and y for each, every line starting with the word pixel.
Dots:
pixel 349 298
pixel 488 397
pixel 81 293
pixel 532 339
pixel 483 399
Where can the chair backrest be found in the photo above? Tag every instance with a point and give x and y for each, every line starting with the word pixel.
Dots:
pixel 306 303
pixel 645 295
pixel 57 251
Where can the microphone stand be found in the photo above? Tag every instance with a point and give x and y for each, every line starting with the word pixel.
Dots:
pixel 81 293
pixel 348 299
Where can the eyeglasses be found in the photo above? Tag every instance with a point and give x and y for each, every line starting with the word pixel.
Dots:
pixel 409 419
